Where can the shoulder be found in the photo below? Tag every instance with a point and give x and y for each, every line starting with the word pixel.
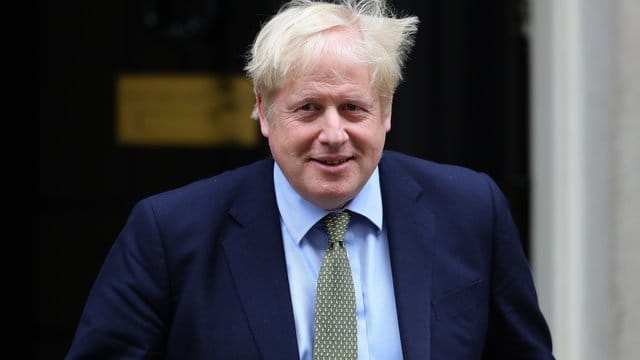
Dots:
pixel 441 185
pixel 216 193
pixel 429 173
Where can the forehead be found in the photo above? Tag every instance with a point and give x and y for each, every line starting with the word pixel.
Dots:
pixel 330 77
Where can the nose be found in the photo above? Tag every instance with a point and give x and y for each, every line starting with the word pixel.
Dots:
pixel 333 130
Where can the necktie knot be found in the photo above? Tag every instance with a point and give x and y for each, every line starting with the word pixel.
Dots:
pixel 336 225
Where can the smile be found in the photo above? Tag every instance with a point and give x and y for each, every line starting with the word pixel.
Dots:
pixel 333 162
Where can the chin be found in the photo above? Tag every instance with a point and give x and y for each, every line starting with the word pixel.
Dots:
pixel 332 201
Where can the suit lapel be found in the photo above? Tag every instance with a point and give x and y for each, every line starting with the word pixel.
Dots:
pixel 255 255
pixel 411 233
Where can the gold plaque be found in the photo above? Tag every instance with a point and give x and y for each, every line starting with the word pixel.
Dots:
pixel 202 109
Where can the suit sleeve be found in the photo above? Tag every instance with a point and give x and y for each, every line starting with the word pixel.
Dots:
pixel 517 328
pixel 126 311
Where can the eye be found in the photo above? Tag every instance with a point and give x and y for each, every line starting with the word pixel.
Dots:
pixel 307 107
pixel 352 107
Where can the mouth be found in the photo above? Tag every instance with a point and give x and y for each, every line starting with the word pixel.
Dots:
pixel 332 161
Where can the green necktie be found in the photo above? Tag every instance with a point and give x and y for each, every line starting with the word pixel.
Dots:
pixel 336 326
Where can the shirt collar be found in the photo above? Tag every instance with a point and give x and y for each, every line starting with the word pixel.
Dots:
pixel 299 215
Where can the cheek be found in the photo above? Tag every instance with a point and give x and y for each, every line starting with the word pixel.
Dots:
pixel 371 136
pixel 300 133
pixel 292 139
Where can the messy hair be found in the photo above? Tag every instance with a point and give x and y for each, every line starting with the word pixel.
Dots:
pixel 293 40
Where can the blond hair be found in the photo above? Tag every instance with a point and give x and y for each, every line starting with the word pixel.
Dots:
pixel 292 41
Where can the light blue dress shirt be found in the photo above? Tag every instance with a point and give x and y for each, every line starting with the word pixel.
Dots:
pixel 367 247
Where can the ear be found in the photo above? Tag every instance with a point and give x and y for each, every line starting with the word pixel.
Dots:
pixel 386 118
pixel 264 126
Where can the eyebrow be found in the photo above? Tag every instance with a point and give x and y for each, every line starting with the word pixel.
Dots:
pixel 348 96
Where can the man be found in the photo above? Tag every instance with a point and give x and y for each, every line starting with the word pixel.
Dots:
pixel 238 266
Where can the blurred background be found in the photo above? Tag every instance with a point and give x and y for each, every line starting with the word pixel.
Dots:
pixel 141 96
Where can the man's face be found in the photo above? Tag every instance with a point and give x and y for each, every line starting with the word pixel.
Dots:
pixel 326 131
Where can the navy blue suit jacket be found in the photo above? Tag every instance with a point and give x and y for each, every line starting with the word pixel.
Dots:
pixel 199 272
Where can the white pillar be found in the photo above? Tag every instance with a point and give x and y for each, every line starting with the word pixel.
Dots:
pixel 627 184
pixel 584 191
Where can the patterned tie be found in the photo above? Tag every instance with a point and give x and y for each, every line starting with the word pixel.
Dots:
pixel 335 328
